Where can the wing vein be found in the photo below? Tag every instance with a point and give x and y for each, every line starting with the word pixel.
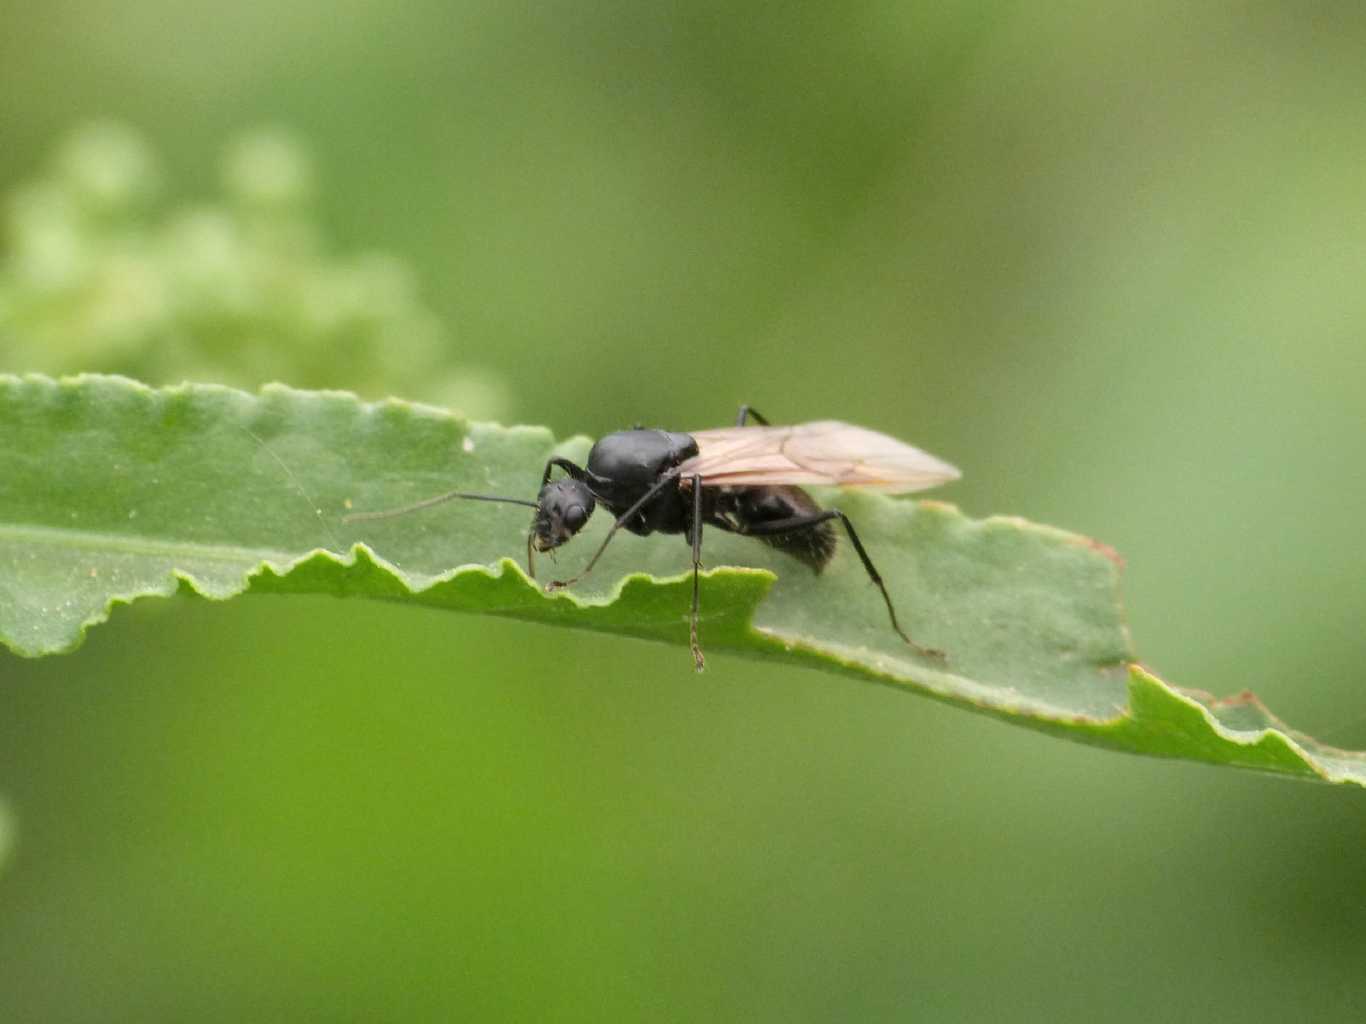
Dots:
pixel 826 452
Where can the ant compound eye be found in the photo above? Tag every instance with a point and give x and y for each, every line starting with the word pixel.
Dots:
pixel 575 516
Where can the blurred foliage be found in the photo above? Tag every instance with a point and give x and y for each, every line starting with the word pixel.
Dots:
pixel 6 833
pixel 98 275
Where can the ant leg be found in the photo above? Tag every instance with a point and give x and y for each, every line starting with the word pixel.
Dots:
pixel 797 523
pixel 747 413
pixel 570 469
pixel 696 565
pixel 671 477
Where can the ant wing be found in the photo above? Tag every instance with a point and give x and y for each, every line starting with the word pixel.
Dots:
pixel 828 452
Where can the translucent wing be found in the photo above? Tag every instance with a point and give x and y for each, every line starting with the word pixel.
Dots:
pixel 828 452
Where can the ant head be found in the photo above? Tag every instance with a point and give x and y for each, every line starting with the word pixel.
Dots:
pixel 562 508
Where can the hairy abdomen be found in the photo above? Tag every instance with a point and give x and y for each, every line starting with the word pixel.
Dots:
pixel 812 545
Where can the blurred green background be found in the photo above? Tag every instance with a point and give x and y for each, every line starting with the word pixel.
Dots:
pixel 1109 259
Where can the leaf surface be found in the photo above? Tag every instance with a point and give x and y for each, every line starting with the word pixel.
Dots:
pixel 111 491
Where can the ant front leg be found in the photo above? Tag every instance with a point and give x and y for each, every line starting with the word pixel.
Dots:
pixel 669 479
pixel 571 470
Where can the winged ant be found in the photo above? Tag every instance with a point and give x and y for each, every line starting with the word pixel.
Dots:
pixel 742 479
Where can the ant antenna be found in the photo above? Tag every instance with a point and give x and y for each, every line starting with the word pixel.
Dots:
pixel 298 485
pixel 356 517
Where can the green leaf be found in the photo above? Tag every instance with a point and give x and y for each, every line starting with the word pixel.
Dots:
pixel 111 491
